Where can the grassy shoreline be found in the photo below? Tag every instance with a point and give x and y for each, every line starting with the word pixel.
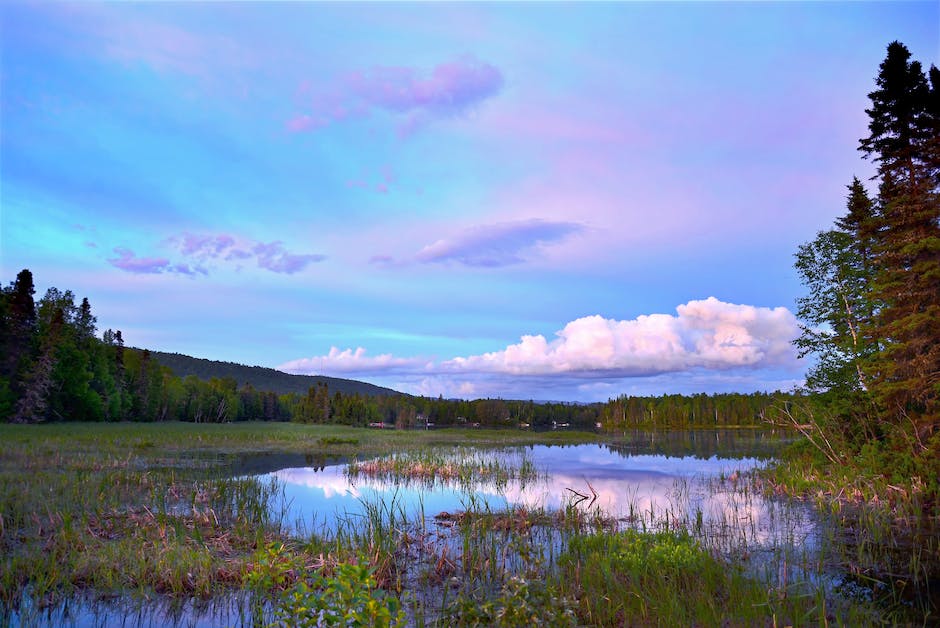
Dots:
pixel 147 511
pixel 884 522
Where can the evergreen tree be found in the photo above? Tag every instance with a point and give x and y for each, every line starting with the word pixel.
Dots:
pixel 22 307
pixel 904 123
pixel 17 329
pixel 33 403
pixel 85 323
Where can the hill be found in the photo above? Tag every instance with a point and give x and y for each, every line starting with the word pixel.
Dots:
pixel 261 378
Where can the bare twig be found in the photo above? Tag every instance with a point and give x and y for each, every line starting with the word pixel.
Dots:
pixel 813 433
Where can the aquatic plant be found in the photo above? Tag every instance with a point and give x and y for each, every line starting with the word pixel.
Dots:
pixel 129 512
pixel 464 466
pixel 346 596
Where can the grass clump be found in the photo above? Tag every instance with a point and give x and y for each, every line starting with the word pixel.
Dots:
pixel 879 513
pixel 521 601
pixel 340 594
pixel 464 466
pixel 326 441
pixel 664 578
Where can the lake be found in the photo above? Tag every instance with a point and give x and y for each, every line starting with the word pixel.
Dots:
pixel 619 481
pixel 459 522
pixel 699 481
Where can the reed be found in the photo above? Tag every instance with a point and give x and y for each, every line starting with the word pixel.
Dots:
pixel 464 466
pixel 128 511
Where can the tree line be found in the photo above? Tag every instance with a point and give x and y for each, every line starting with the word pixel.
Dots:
pixel 55 368
pixel 679 411
pixel 262 378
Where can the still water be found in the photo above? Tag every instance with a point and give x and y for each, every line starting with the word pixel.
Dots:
pixel 699 483
pixel 692 480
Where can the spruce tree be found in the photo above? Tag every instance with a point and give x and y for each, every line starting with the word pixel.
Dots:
pixel 903 127
pixel 18 327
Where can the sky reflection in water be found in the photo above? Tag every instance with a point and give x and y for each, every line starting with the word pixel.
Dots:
pixel 637 487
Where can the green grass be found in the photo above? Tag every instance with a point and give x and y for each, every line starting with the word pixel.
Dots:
pixel 461 465
pixel 113 443
pixel 152 511
pixel 880 521
pixel 657 577
pixel 149 508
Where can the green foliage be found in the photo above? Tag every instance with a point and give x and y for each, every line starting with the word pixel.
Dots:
pixel 348 597
pixel 640 555
pixel 273 569
pixel 521 602
pixel 701 410
pixel 336 440
pixel 872 315
pixel 832 313
pixel 662 577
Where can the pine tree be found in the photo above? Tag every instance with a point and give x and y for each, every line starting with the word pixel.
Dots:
pixel 904 122
pixel 17 329
pixel 33 403
pixel 85 323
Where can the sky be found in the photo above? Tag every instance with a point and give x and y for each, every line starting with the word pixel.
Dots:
pixel 559 201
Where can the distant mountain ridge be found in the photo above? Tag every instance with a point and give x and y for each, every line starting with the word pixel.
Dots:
pixel 262 378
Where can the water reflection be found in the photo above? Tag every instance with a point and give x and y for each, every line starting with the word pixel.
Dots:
pixel 643 489
pixel 704 443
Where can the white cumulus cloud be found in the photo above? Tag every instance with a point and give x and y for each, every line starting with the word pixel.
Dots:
pixel 703 337
pixel 709 334
pixel 347 361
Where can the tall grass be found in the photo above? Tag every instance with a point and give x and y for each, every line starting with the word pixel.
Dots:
pixel 462 466
pixel 129 511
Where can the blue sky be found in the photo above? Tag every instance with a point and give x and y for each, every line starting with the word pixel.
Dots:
pixel 549 201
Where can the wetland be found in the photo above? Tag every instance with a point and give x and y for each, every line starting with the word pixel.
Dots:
pixel 283 524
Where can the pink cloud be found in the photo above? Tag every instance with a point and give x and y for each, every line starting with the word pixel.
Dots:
pixel 350 361
pixel 450 89
pixel 303 122
pixel 128 262
pixel 275 258
pixel 185 269
pixel 201 253
pixel 499 244
pixel 205 246
pixel 237 254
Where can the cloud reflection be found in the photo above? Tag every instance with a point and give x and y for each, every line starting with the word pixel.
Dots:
pixel 653 490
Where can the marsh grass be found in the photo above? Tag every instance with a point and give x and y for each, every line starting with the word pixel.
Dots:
pixel 577 567
pixel 879 535
pixel 155 513
pixel 461 466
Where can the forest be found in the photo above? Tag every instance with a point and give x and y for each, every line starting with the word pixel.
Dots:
pixel 871 315
pixel 56 368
